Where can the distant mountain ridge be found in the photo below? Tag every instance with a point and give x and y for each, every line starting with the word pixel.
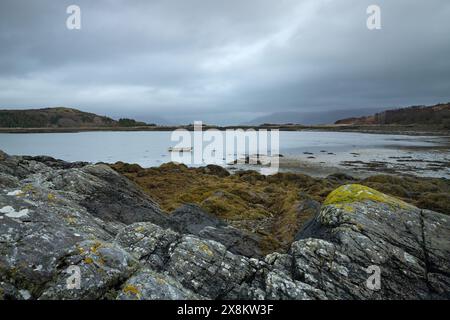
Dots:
pixel 426 115
pixel 309 118
pixel 59 117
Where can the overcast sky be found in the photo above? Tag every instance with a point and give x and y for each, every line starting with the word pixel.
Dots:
pixel 223 61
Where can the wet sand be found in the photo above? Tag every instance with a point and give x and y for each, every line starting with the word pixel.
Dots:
pixel 430 161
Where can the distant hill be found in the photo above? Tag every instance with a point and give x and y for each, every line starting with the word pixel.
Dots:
pixel 309 118
pixel 425 115
pixel 59 117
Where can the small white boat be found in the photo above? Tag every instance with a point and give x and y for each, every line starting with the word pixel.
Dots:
pixel 180 149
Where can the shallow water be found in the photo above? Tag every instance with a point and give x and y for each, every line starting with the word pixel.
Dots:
pixel 151 148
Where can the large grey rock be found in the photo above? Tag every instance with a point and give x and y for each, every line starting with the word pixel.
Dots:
pixel 101 190
pixel 148 243
pixel 98 185
pixel 194 220
pixel 206 267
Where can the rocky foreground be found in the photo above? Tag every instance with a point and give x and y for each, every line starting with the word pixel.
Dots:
pixel 55 216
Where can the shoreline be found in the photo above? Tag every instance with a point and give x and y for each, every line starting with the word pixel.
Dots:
pixel 369 129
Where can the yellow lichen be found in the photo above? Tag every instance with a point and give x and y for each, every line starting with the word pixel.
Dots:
pixel 51 197
pixel 28 188
pixel 101 261
pixel 95 247
pixel 71 220
pixel 88 260
pixel 139 229
pixel 345 207
pixel 129 288
pixel 206 249
pixel 351 193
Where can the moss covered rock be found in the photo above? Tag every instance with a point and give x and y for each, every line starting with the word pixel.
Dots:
pixel 350 193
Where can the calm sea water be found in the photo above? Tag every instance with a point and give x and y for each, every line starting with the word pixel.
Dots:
pixel 151 148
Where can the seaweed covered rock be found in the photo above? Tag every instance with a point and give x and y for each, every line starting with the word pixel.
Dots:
pixel 215 170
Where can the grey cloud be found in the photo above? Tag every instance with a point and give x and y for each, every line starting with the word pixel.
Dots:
pixel 223 61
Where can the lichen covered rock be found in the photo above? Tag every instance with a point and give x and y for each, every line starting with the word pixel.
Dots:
pixel 102 267
pixel 149 285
